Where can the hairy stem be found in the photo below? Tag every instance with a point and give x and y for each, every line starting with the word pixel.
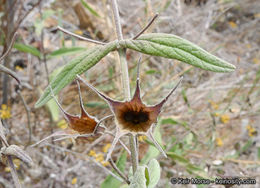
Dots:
pixel 13 172
pixel 118 171
pixel 80 37
pixel 125 79
pixel 124 75
pixel 9 158
pixel 28 118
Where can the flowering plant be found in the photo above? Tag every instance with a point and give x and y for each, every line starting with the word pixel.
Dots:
pixel 132 116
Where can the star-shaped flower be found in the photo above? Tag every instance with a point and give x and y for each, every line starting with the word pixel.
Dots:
pixel 82 125
pixel 133 117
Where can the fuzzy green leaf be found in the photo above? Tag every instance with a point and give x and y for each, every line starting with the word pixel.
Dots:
pixel 77 66
pixel 174 47
pixel 154 173
pixel 138 180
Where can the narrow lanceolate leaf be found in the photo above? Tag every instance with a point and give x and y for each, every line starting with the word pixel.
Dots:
pixel 173 47
pixel 66 51
pixel 27 49
pixel 77 66
pixel 86 5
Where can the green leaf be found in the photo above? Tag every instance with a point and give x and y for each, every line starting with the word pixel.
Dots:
pixel 77 66
pixel 110 181
pixel 147 176
pixel 51 105
pixel 169 121
pixel 175 122
pixel 258 153
pixel 174 47
pixel 178 158
pixel 28 49
pixel 154 173
pixel 186 163
pixel 138 180
pixel 96 104
pixel 152 71
pixel 124 186
pixel 185 98
pixel 54 110
pixel 86 5
pixel 66 51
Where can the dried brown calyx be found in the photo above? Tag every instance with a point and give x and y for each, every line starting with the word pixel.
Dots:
pixel 133 116
pixel 83 123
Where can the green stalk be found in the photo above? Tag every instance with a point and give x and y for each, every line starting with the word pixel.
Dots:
pixel 125 80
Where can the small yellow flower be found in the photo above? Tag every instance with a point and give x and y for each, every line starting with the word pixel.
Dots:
pixel 5 112
pixel 106 148
pixel 105 163
pixel 225 118
pixel 7 169
pixel 249 46
pixel 251 130
pixel 232 24
pixel 17 164
pixel 216 114
pixel 142 138
pixel 62 124
pixel 18 68
pixel 257 15
pixel 219 142
pixel 92 153
pixel 256 61
pixel 74 181
pixel 213 105
pixel 78 32
pixel 99 157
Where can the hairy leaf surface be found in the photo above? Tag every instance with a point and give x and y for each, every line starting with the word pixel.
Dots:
pixel 77 66
pixel 174 47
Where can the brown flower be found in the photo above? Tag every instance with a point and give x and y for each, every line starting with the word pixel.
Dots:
pixel 83 123
pixel 133 116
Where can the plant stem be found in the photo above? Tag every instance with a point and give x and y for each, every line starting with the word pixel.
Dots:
pixel 118 171
pixel 125 79
pixel 117 20
pixel 80 37
pixel 9 158
pixel 146 27
pixel 124 75
pixel 13 172
pixel 28 118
